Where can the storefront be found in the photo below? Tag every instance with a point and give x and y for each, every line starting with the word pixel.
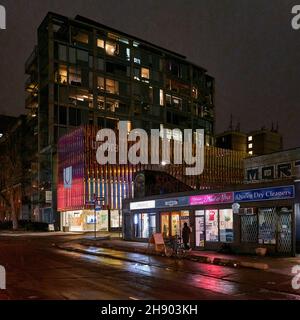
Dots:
pixel 244 219
pixel 85 220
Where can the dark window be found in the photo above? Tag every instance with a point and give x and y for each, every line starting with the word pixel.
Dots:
pixel 62 115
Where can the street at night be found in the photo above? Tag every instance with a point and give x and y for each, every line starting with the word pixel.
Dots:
pixel 36 270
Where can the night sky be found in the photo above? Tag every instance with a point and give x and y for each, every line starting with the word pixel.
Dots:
pixel 249 47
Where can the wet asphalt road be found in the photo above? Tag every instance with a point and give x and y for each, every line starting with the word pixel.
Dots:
pixel 38 271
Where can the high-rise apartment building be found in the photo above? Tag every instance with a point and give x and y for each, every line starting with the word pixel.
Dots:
pixel 82 72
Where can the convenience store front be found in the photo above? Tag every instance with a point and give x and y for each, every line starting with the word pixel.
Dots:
pixel 244 219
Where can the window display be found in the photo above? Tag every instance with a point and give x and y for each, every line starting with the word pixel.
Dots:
pixel 226 225
pixel 144 225
pixel 212 228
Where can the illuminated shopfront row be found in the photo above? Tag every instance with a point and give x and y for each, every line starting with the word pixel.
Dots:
pixel 266 217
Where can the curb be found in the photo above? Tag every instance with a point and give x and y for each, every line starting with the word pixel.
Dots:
pixel 195 258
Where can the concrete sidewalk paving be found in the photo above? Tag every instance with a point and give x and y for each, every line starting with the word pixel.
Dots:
pixel 276 264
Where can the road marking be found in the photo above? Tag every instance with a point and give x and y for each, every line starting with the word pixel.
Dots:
pixel 133 298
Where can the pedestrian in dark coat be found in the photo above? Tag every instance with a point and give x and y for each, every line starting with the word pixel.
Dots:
pixel 186 236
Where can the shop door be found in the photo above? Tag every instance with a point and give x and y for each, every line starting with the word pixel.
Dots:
pixel 200 232
pixel 284 243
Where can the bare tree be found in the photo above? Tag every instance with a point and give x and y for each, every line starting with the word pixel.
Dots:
pixel 11 176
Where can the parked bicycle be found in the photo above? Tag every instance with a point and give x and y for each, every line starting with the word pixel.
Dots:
pixel 174 247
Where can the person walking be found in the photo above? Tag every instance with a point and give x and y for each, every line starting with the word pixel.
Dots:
pixel 186 231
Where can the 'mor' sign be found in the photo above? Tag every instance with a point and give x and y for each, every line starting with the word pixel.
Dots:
pixel 2 18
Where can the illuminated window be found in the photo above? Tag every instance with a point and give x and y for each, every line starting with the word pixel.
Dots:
pixel 212 230
pixel 226 225
pixel 137 60
pixel 100 83
pixel 145 73
pixel 62 76
pixel 112 86
pixel 112 105
pixel 250 145
pixel 81 37
pixel 135 44
pixel 100 103
pixel 161 97
pixel 100 43
pixel 128 54
pixel 74 76
pixel 251 153
pixel 111 48
pixel 250 138
pixel 195 93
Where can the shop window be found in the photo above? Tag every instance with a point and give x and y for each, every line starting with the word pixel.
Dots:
pixel 112 86
pixel 143 225
pixel 145 73
pixel 111 48
pixel 249 228
pixel 175 224
pixel 226 225
pixel 165 225
pixel 267 219
pixel 115 219
pixel 212 229
pixel 100 43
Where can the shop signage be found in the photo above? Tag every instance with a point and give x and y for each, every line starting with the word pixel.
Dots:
pixel 68 178
pixel 207 199
pixel 172 202
pixel 276 193
pixel 142 205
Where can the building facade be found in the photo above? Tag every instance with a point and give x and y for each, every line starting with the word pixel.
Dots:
pixel 82 72
pixel 265 215
pixel 275 166
pixel 81 178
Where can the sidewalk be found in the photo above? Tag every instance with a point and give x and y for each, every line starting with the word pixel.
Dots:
pixel 36 234
pixel 275 264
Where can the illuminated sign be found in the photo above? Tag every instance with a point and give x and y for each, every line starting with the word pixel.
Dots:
pixel 68 178
pixel 172 202
pixel 142 205
pixel 207 199
pixel 276 193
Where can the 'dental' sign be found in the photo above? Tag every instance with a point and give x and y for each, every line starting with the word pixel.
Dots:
pixel 276 193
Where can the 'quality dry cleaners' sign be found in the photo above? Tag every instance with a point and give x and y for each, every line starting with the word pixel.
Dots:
pixel 276 193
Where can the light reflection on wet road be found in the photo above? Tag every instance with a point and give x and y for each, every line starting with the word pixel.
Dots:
pixel 36 270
